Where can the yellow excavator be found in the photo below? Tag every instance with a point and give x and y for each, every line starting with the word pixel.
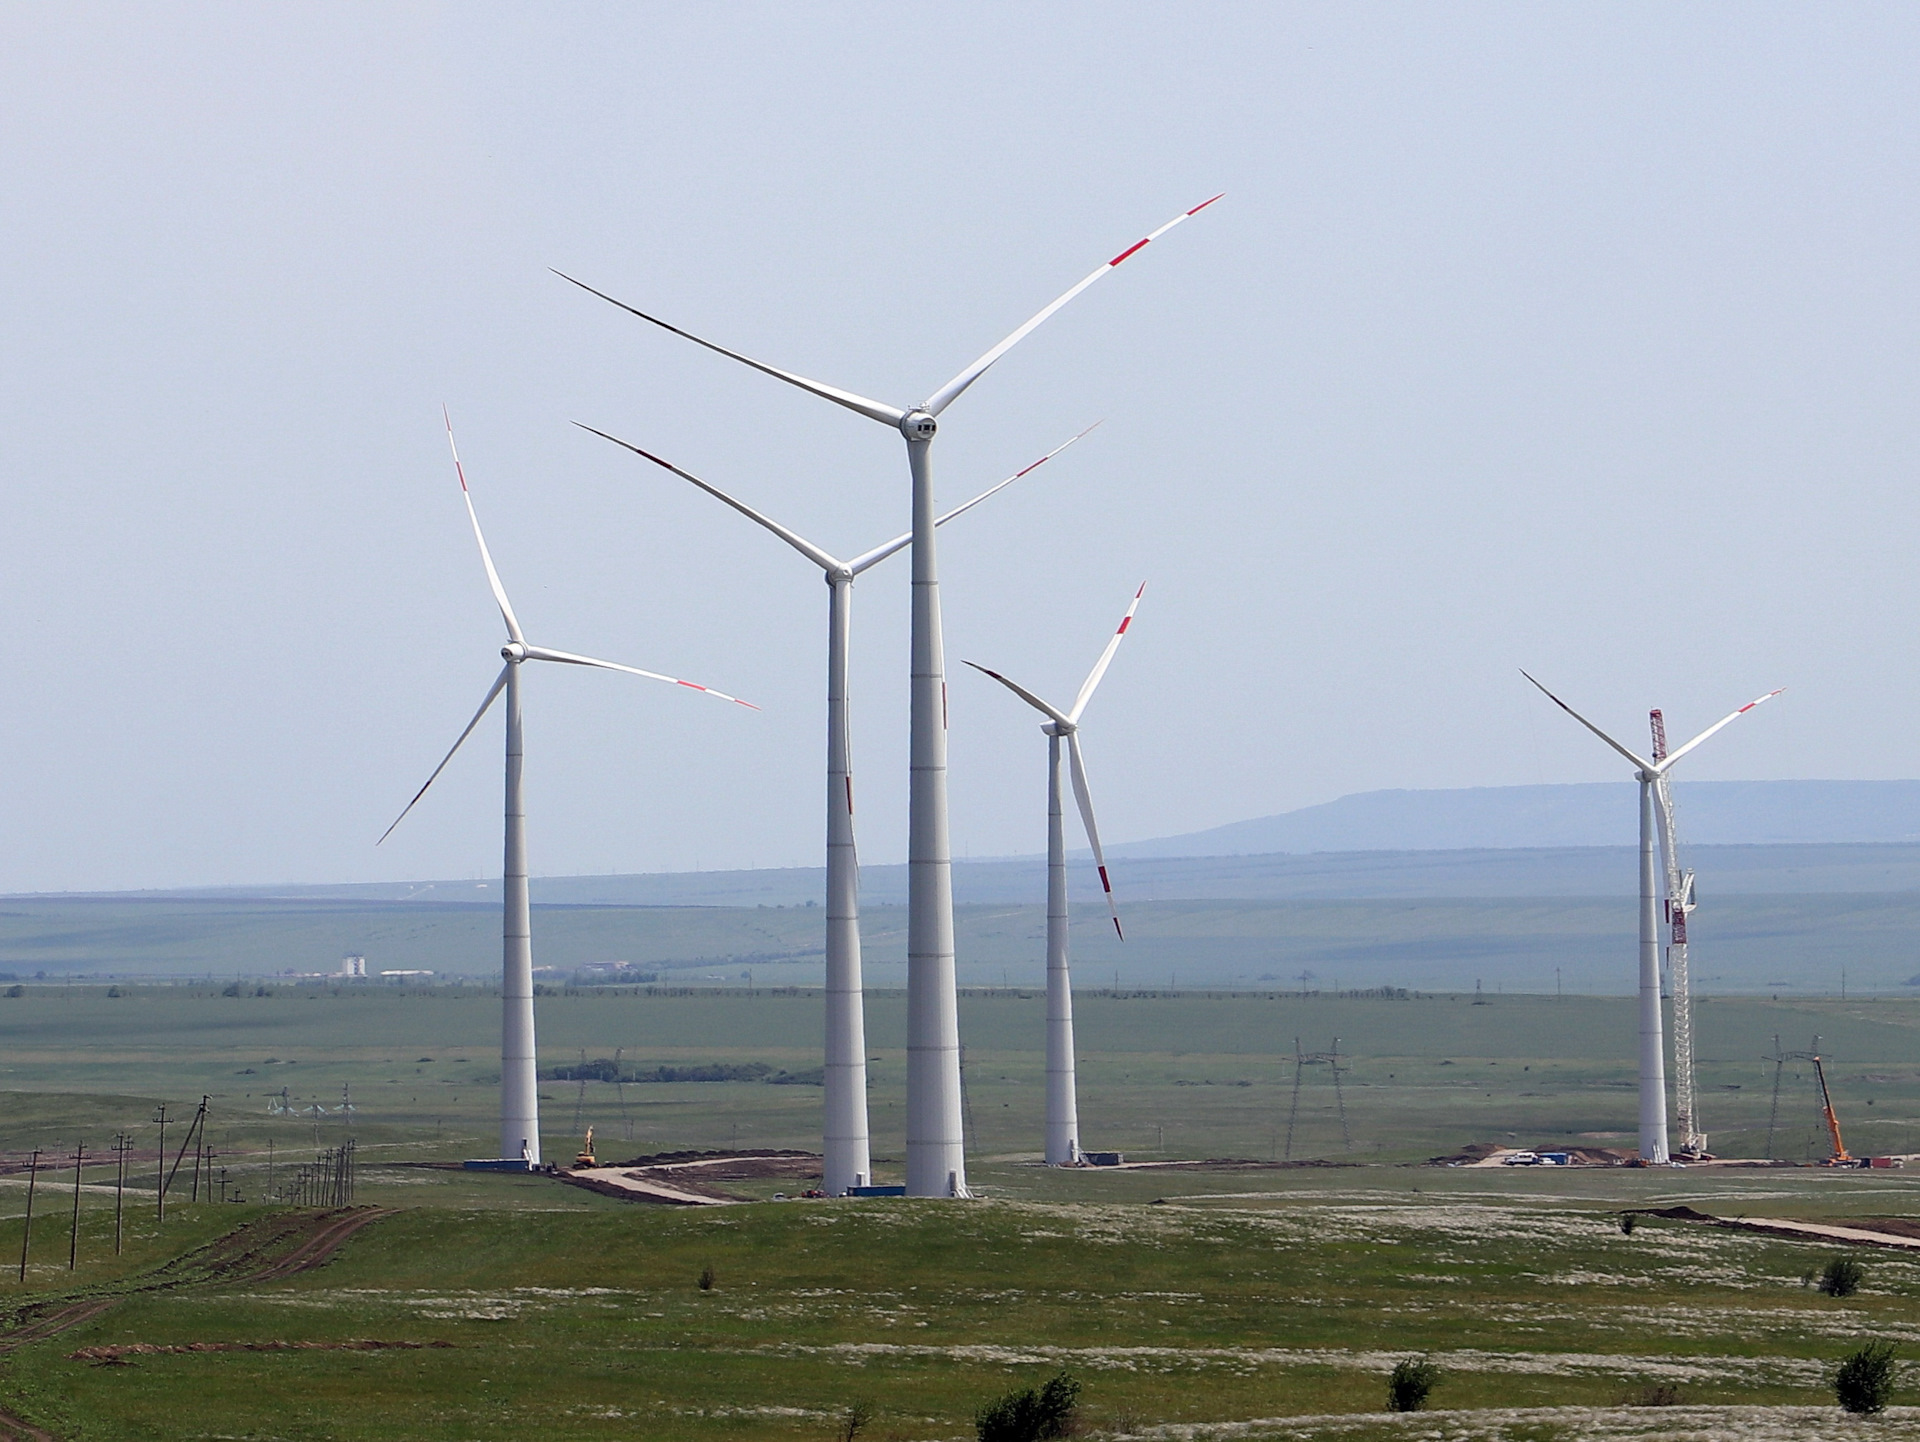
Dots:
pixel 1840 1157
pixel 585 1157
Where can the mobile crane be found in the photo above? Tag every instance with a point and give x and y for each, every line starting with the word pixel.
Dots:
pixel 1841 1157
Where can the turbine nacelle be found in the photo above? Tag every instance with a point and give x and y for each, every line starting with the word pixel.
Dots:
pixel 1058 728
pixel 513 653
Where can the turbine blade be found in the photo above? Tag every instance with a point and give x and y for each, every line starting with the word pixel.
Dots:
pixel 499 685
pixel 947 393
pixel 880 553
pixel 1639 762
pixel 1724 720
pixel 1022 692
pixel 799 543
pixel 877 410
pixel 568 658
pixel 1106 658
pixel 486 556
pixel 1085 797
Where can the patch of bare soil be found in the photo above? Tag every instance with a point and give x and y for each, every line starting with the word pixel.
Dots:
pixel 1580 1155
pixel 1892 1226
pixel 1471 1152
pixel 681 1159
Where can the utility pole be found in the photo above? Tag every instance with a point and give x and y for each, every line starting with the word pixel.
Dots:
pixel 73 1237
pixel 160 1176
pixel 122 1144
pixel 26 1232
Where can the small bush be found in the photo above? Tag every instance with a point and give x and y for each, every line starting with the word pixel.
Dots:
pixel 1031 1414
pixel 707 1277
pixel 16 991
pixel 1863 1382
pixel 1842 1277
pixel 1655 1394
pixel 1627 1223
pixel 853 1421
pixel 1409 1385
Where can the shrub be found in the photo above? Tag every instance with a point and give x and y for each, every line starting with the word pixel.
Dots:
pixel 854 1420
pixel 1627 1222
pixel 16 991
pixel 1656 1394
pixel 1842 1277
pixel 707 1277
pixel 1863 1382
pixel 1031 1414
pixel 1412 1380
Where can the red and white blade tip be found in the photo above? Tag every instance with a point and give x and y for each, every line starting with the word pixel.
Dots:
pixel 457 469
pixel 1145 240
pixel 722 695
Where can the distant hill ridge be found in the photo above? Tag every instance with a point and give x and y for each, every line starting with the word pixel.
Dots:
pixel 1604 813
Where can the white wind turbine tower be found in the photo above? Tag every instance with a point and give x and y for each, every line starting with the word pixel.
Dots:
pixel 519 1092
pixel 1651 773
pixel 1679 904
pixel 1063 1106
pixel 936 1150
pixel 846 1159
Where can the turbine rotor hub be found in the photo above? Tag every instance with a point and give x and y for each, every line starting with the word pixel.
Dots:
pixel 917 425
pixel 1058 728
pixel 513 651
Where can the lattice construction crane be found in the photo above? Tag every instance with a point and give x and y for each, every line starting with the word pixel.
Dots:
pixel 1679 903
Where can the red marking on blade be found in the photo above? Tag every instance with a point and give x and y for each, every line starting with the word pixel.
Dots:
pixel 849 796
pixel 1125 621
pixel 1204 204
pixel 1127 252
pixel 1116 929
pixel 943 703
pixel 691 685
pixel 1105 884
pixel 461 474
pixel 1746 708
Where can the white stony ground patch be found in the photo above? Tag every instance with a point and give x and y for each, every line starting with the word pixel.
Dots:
pixel 1587 1424
pixel 1789 1371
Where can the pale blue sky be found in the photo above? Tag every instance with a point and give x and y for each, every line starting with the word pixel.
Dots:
pixel 1573 337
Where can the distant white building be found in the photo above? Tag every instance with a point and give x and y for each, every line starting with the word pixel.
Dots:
pixel 354 967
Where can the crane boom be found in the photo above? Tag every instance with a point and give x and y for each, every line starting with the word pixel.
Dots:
pixel 1840 1157
pixel 1679 902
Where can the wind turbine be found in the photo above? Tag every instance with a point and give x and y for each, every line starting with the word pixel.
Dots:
pixel 1680 904
pixel 1651 773
pixel 936 1148
pixel 846 1158
pixel 519 1093
pixel 1063 1107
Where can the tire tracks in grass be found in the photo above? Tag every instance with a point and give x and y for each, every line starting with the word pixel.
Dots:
pixel 266 1249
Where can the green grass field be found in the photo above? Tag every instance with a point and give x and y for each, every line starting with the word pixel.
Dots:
pixel 1258 1304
